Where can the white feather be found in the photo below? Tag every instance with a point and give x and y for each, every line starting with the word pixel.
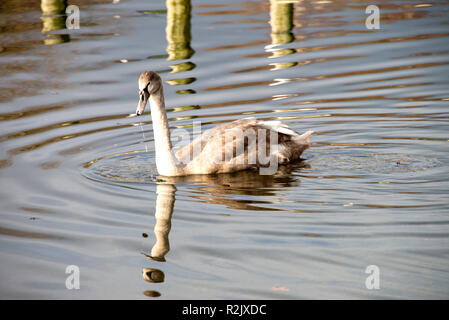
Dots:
pixel 278 126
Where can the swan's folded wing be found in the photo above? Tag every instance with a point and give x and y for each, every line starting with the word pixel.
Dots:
pixel 198 144
pixel 238 142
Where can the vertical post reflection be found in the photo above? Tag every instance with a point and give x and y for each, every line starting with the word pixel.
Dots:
pixel 281 21
pixel 178 30
pixel 178 38
pixel 53 18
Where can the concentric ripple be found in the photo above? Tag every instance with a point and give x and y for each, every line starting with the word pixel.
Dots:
pixel 373 163
pixel 134 167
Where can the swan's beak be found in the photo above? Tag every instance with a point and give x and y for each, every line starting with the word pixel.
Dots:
pixel 143 98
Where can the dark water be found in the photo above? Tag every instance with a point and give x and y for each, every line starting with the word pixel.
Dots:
pixel 78 180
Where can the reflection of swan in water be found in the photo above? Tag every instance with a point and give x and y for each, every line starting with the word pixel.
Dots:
pixel 165 202
pixel 221 188
pixel 164 209
pixel 218 189
pixel 230 147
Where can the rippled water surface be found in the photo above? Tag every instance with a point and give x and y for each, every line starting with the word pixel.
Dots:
pixel 79 184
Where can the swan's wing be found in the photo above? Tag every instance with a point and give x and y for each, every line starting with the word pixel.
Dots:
pixel 278 126
pixel 228 139
pixel 200 142
pixel 286 134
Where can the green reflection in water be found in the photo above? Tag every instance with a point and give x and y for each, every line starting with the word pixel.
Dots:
pixel 178 38
pixel 53 18
pixel 186 108
pixel 188 91
pixel 181 67
pixel 178 29
pixel 177 82
pixel 281 21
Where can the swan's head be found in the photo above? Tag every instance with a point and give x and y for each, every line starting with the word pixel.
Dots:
pixel 149 83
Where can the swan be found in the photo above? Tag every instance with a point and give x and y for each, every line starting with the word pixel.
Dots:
pixel 239 145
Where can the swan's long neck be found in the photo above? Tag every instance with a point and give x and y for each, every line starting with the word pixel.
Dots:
pixel 165 159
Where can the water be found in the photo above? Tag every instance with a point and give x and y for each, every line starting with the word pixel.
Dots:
pixel 78 179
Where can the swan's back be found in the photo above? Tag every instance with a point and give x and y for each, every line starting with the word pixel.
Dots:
pixel 241 145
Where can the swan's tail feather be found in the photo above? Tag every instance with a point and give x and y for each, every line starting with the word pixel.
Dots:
pixel 304 138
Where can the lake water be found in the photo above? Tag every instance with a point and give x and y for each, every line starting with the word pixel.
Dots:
pixel 79 184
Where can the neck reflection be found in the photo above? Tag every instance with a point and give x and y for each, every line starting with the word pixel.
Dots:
pixel 165 202
pixel 214 189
